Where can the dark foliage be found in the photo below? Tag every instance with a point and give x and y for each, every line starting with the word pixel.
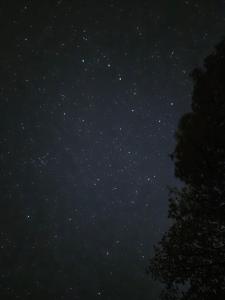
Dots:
pixel 190 259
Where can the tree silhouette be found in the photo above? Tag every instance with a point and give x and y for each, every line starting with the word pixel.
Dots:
pixel 190 259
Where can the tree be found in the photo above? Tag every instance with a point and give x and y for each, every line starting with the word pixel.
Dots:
pixel 190 259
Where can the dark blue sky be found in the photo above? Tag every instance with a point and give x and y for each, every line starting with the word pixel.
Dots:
pixel 90 95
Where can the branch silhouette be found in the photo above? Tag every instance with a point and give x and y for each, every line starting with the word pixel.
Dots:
pixel 190 258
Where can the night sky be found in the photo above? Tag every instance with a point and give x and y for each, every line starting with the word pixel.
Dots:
pixel 91 93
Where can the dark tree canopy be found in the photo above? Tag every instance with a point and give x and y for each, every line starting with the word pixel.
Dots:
pixel 190 259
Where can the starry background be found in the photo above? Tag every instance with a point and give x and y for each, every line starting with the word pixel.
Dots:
pixel 90 96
